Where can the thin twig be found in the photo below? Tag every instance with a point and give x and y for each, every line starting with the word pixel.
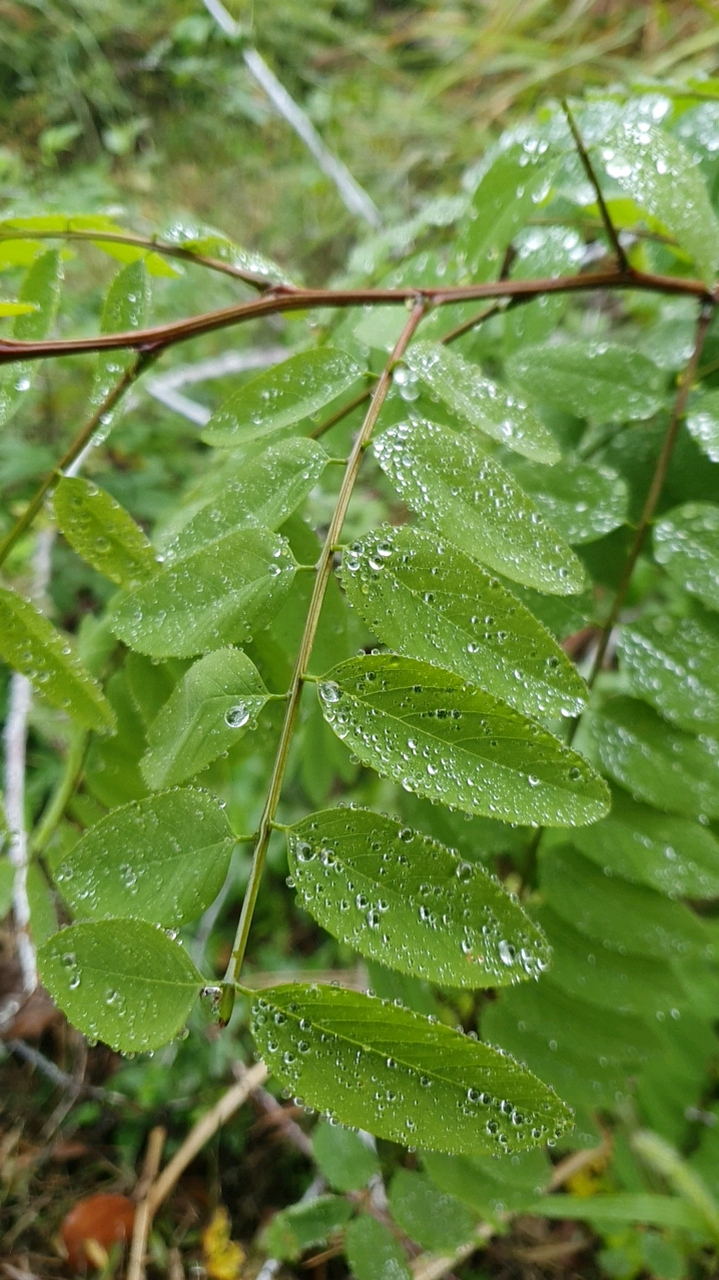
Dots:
pixel 143 1216
pixel 62 1079
pixel 609 227
pixel 323 574
pixel 655 489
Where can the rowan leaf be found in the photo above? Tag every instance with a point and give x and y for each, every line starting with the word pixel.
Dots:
pixel 103 533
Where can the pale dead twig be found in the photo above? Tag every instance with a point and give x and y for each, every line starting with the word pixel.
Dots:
pixel 141 1226
pixel 432 1266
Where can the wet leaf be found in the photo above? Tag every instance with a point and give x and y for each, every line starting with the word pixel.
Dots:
pixel 451 482
pixel 673 663
pixel 409 902
pixel 513 183
pixel 373 1252
pixel 427 600
pixel 304 1225
pixel 263 490
pixel 103 533
pixel 449 741
pixel 488 1186
pixel 494 410
pixel 215 703
pixel 624 1207
pixel 215 245
pixel 546 252
pixel 163 859
pixel 435 1219
pixel 598 380
pixel 207 599
pixel 125 308
pixel 656 171
pixel 121 981
pixel 702 422
pixel 667 767
pixel 582 502
pixel 619 915
pixel 628 983
pixel 32 645
pixel 399 1075
pixel 343 1157
pixel 686 542
pixel 282 396
pixel 674 855
pixel 41 291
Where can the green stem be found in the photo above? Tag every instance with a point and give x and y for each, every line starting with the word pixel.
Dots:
pixel 83 437
pixel 324 571
pixel 55 808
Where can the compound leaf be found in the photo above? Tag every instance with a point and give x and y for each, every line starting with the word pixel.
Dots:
pixel 103 533
pixel 430 601
pixel 450 481
pixel 378 1067
pixel 513 183
pixel 410 903
pixel 162 859
pixel 448 741
pixel 208 599
pixel 211 708
pixel 120 981
pixel 32 645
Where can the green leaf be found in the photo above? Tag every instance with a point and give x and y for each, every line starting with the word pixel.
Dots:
pixel 343 1157
pixel 163 860
pixel 112 772
pixel 305 1225
pixel 513 183
pixel 435 1219
pixel 395 1073
pixel 673 663
pixel 542 252
pixel 121 981
pixel 212 707
pixel 407 901
pixel 373 1252
pixel 263 491
pixel 492 409
pixel 587 970
pixel 208 599
pixel 686 542
pixel 41 899
pixel 702 422
pixel 103 533
pixel 41 291
pixel 582 502
pixel 448 741
pixel 282 396
pixel 430 602
pixel 667 767
pixel 126 306
pixel 488 1186
pixel 469 498
pixel 624 1207
pixel 621 916
pixel 212 244
pixel 598 380
pixel 675 856
pixel 656 171
pixel 32 645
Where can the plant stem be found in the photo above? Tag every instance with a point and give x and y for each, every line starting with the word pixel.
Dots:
pixel 83 437
pixel 655 489
pixel 609 227
pixel 324 570
pixel 64 790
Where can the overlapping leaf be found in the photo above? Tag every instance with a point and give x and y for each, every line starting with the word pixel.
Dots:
pixel 282 396
pixel 120 981
pixel 428 600
pixel 686 542
pixel 514 181
pixel 470 499
pixel 409 902
pixel 214 705
pixel 448 741
pixel 702 422
pixel 674 664
pixel 598 380
pixel 582 502
pixel 162 860
pixel 494 410
pixel 377 1067
pixel 207 599
pixel 33 646
pixel 103 533
pixel 41 290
